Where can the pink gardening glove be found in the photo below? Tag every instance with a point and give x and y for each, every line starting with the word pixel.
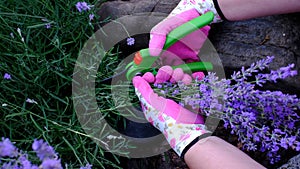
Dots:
pixel 180 126
pixel 166 73
pixel 187 49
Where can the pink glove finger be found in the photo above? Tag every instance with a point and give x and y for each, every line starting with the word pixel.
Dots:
pixel 169 58
pixel 149 77
pixel 186 49
pixel 156 44
pixel 177 75
pixel 164 74
pixel 187 79
pixel 198 75
pixel 177 62
pixel 148 94
pixel 159 32
pixel 143 86
pixel 166 106
pixel 189 46
pixel 190 60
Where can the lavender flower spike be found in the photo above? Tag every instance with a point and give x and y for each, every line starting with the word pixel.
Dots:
pixel 51 164
pixel 263 120
pixel 43 150
pixel 87 166
pixel 91 16
pixel 7 149
pixel 130 41
pixel 82 6
pixel 7 76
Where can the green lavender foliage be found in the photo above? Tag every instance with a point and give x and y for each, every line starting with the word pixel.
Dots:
pixel 40 42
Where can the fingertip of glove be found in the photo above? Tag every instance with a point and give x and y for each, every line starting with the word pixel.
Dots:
pixel 178 74
pixel 164 74
pixel 168 69
pixel 156 44
pixel 205 30
pixel 198 75
pixel 149 77
pixel 137 81
pixel 142 86
pixel 154 51
pixel 187 79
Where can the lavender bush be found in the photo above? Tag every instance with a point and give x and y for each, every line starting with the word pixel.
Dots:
pixel 262 120
pixel 13 158
pixel 40 42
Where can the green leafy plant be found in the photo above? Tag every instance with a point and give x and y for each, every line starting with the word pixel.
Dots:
pixel 40 42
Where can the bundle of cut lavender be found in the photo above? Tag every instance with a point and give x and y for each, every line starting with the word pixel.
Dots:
pixel 262 120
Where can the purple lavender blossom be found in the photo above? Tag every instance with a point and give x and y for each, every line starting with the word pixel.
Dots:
pixel 12 158
pixel 7 165
pixel 7 76
pixel 26 164
pixel 51 164
pixel 130 41
pixel 91 17
pixel 43 150
pixel 282 73
pixel 7 149
pixel 48 26
pixel 263 120
pixel 34 167
pixel 28 100
pixel 82 6
pixel 87 166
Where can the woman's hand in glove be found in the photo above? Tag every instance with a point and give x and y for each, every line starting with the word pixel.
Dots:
pixel 180 126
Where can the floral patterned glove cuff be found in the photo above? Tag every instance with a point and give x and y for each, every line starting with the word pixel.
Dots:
pixel 202 6
pixel 179 126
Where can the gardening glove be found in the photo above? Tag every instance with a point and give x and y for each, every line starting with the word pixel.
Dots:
pixel 180 127
pixel 187 49
pixel 166 73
